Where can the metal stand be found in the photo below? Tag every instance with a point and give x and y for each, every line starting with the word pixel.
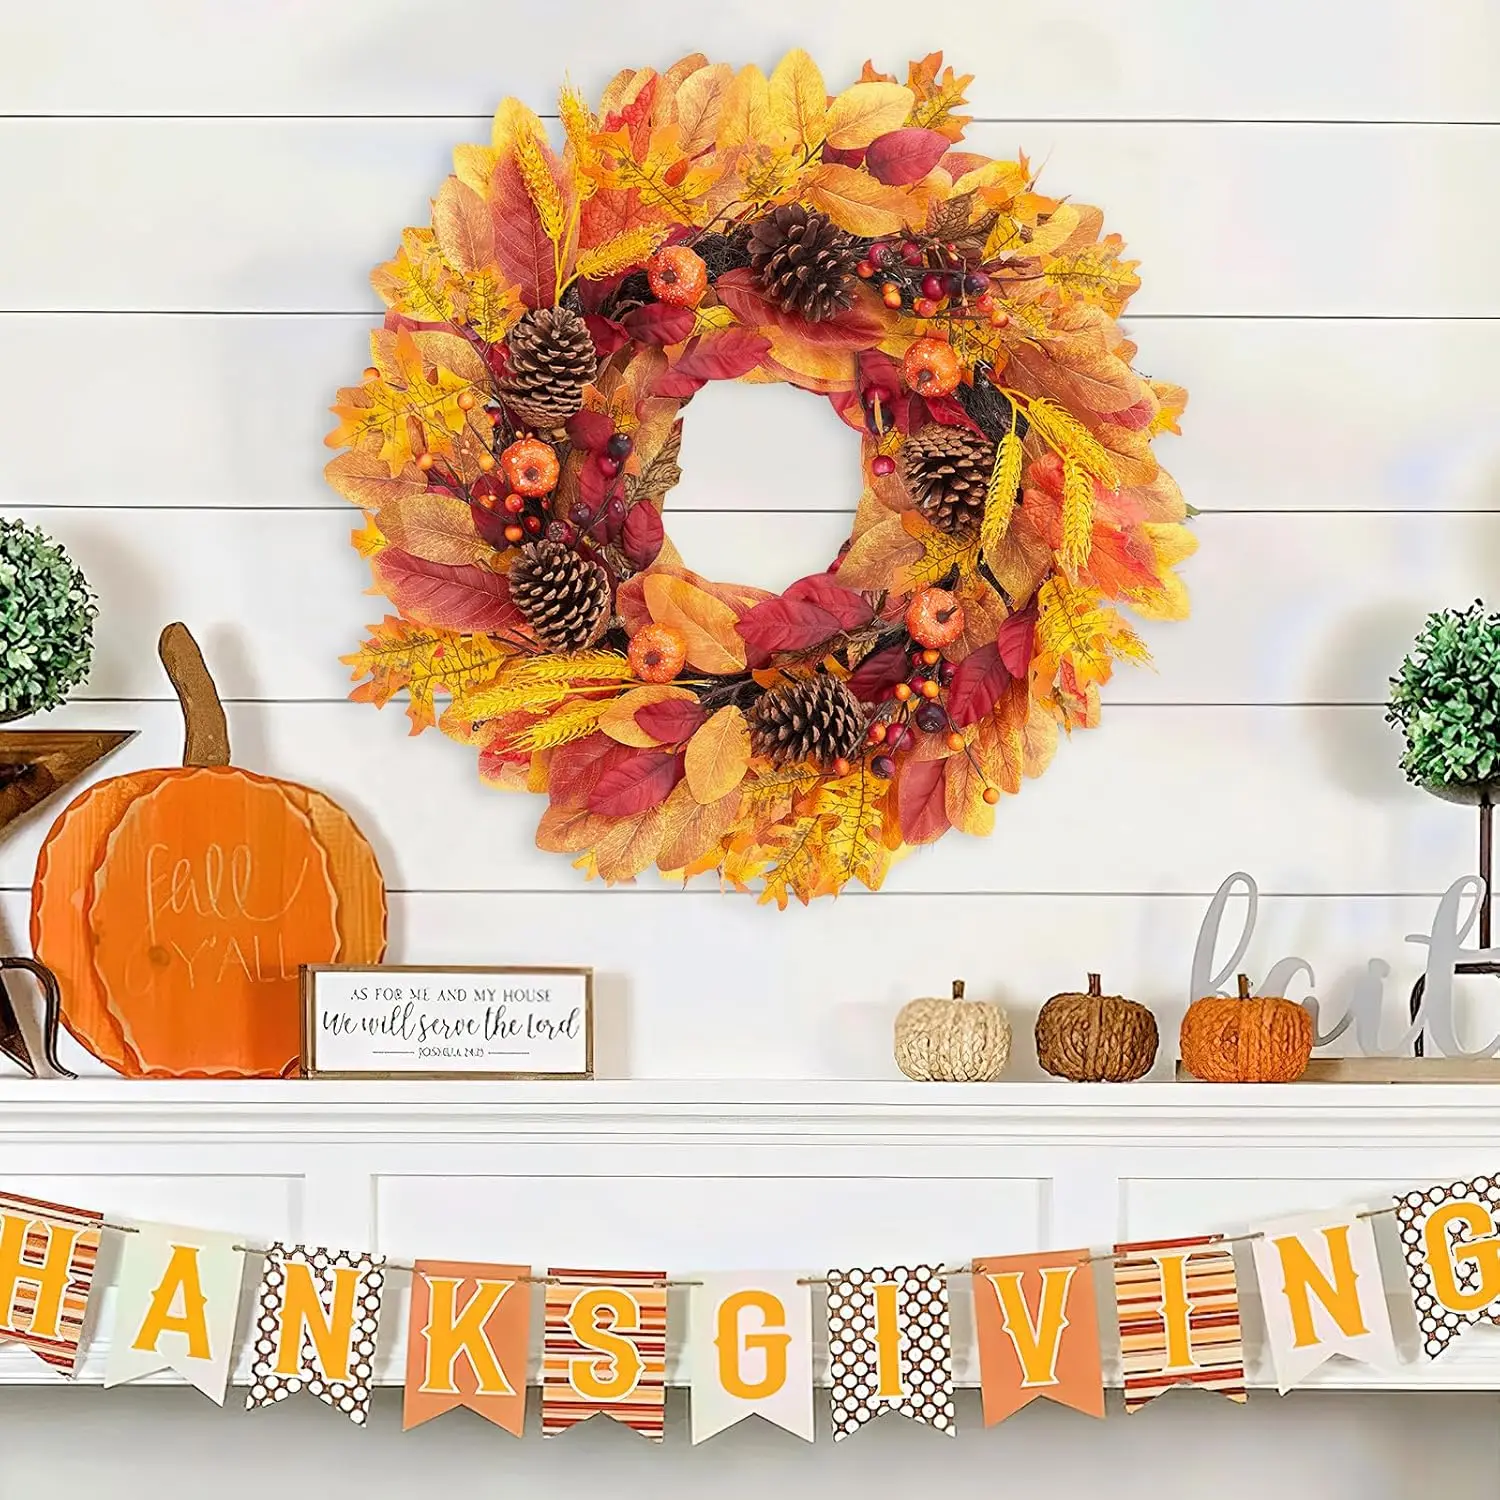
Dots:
pixel 12 1038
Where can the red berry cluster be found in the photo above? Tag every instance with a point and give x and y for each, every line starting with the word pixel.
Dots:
pixel 924 279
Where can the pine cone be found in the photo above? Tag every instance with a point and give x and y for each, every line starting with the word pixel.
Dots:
pixel 551 356
pixel 947 472
pixel 804 262
pixel 813 718
pixel 564 597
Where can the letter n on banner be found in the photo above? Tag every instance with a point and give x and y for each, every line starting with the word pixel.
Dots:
pixel 1178 1306
pixel 47 1259
pixel 605 1350
pixel 466 1342
pixel 316 1319
pixel 1038 1333
pixel 1451 1247
pixel 889 1347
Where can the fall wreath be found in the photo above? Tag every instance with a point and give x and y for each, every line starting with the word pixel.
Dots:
pixel 518 429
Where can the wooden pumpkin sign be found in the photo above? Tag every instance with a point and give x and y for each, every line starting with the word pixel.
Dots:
pixel 176 905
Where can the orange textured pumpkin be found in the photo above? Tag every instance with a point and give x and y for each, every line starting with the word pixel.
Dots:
pixel 1248 1039
pixel 176 905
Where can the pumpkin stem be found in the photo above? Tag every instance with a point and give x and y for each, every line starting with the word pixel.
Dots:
pixel 206 731
pixel 1096 984
pixel 1244 986
pixel 958 989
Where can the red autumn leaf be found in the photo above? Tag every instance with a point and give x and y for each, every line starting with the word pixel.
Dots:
pixel 977 685
pixel 811 611
pixel 920 799
pixel 857 327
pixel 595 486
pixel 719 356
pixel 643 534
pixel 1135 417
pixel 672 721
pixel 523 249
pixel 659 323
pixel 448 595
pixel 901 157
pixel 852 157
pixel 850 609
pixel 575 769
pixel 878 371
pixel 950 413
pixel 1013 641
pixel 872 680
pixel 637 781
pixel 608 336
pixel 590 430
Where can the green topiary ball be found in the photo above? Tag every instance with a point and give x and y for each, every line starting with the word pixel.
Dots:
pixel 47 614
pixel 1446 699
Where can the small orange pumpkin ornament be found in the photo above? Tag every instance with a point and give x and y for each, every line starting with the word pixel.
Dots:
pixel 1249 1039
pixel 175 905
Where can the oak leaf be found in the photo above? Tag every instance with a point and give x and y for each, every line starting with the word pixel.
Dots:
pixel 938 91
pixel 421 660
pixel 708 624
pixel 418 283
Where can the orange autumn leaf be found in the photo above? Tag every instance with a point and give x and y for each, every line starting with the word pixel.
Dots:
pixel 856 202
pixel 864 111
pixel 618 720
pixel 718 755
pixel 435 526
pixel 707 624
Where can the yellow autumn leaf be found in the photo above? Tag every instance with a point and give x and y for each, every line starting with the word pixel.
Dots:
pixel 799 100
pixel 421 659
pixel 1075 626
pixel 694 829
pixel 630 846
pixel 463 225
pixel 618 720
pixel 745 118
pixel 718 755
pixel 368 540
pixel 855 201
pixel 434 526
pixel 707 624
pixel 363 477
pixel 418 283
pixel 491 308
pixel 699 104
pixel 866 110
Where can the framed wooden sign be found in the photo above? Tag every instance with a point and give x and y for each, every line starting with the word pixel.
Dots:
pixel 419 1021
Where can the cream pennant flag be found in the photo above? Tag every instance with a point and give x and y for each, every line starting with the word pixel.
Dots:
pixel 48 1254
pixel 750 1348
pixel 1321 1294
pixel 316 1319
pixel 889 1347
pixel 1451 1247
pixel 176 1298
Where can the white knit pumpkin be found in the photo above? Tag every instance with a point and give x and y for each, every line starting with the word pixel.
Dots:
pixel 952 1041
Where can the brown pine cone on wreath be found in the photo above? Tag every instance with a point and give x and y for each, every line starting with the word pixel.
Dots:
pixel 563 597
pixel 812 718
pixel 947 472
pixel 551 357
pixel 804 262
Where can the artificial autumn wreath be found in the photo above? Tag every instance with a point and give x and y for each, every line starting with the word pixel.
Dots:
pixel 518 430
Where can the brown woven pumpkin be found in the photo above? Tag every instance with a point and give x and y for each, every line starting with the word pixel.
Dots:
pixel 952 1041
pixel 1094 1037
pixel 1246 1039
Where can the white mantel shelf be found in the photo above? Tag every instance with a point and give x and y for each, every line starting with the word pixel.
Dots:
pixel 687 1176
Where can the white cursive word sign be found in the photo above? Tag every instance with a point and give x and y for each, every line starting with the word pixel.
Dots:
pixel 1451 924
pixel 400 1022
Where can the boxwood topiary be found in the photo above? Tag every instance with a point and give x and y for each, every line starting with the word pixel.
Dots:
pixel 1446 699
pixel 46 621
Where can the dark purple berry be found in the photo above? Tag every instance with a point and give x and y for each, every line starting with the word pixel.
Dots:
pixel 976 282
pixel 931 718
pixel 883 766
pixel 619 445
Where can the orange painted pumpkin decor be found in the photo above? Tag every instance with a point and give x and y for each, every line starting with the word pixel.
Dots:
pixel 1246 1039
pixel 175 905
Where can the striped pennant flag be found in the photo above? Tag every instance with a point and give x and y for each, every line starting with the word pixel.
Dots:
pixel 47 1258
pixel 605 1350
pixel 1178 1306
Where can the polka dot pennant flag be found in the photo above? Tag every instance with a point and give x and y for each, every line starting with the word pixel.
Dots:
pixel 890 1347
pixel 317 1315
pixel 1451 1248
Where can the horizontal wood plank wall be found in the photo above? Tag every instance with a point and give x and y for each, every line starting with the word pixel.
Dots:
pixel 183 287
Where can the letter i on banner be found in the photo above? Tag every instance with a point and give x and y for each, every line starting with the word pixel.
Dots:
pixel 889 1347
pixel 605 1350
pixel 1451 1247
pixel 750 1352
pixel 1321 1294
pixel 176 1299
pixel 466 1342
pixel 1179 1312
pixel 47 1258
pixel 316 1319
pixel 1038 1333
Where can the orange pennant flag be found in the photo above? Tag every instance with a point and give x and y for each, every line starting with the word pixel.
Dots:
pixel 1038 1333
pixel 466 1342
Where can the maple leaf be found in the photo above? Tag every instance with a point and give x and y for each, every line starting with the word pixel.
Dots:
pixel 1097 275
pixel 852 809
pixel 1080 636
pixel 665 181
pixel 491 308
pixel 369 539
pixel 938 92
pixel 419 283
pixel 423 660
pixel 942 552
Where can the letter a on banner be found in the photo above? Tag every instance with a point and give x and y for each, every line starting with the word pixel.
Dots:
pixel 466 1342
pixel 47 1259
pixel 175 1306
pixel 316 1318
pixel 1179 1309
pixel 1038 1333
pixel 750 1352
pixel 605 1350
pixel 889 1347
pixel 1321 1294
pixel 1451 1246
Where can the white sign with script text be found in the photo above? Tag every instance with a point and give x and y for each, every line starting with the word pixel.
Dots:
pixel 447 1022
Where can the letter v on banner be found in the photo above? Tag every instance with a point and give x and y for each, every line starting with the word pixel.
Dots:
pixel 1038 1333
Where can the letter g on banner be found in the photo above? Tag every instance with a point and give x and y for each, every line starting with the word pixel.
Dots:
pixel 1452 1253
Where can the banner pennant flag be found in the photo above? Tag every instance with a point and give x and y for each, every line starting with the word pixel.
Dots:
pixel 605 1350
pixel 1451 1248
pixel 48 1254
pixel 466 1342
pixel 890 1347
pixel 176 1300
pixel 316 1319
pixel 1321 1293
pixel 1179 1314
pixel 750 1352
pixel 1038 1332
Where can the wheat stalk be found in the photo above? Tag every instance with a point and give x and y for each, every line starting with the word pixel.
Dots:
pixel 560 729
pixel 622 252
pixel 1062 431
pixel 1077 515
pixel 1000 497
pixel 581 666
pixel 540 185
